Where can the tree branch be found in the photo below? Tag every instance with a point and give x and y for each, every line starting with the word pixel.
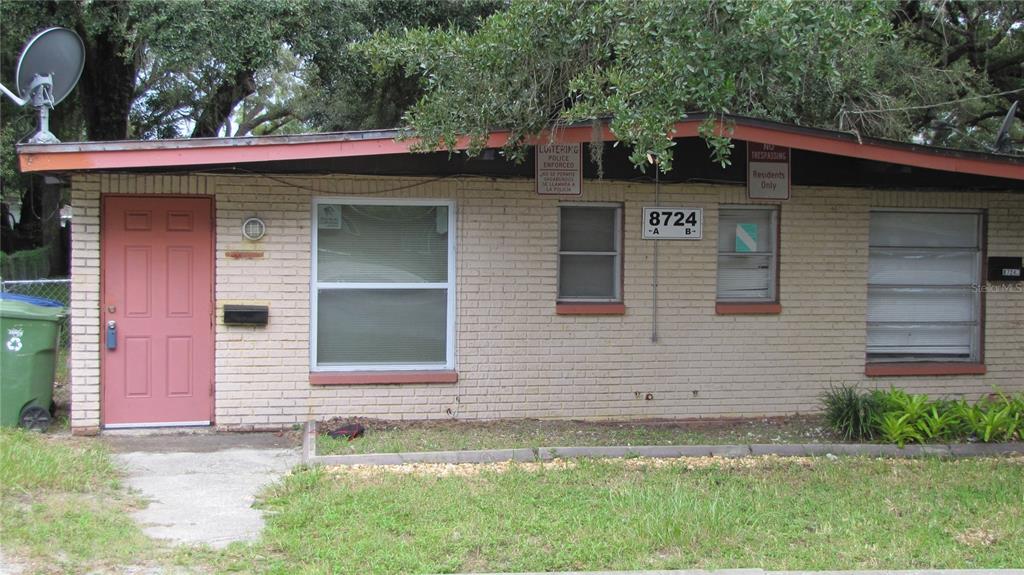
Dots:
pixel 248 126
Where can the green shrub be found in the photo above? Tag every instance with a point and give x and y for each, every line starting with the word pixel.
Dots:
pixel 896 416
pixel 939 423
pixel 850 412
pixel 26 264
pixel 896 428
pixel 991 419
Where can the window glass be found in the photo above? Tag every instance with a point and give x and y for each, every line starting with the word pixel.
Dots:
pixel 367 327
pixel 922 303
pixel 382 243
pixel 383 288
pixel 921 229
pixel 590 252
pixel 587 276
pixel 588 229
pixel 746 254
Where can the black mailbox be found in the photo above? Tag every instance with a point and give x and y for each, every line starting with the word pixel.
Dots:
pixel 246 314
pixel 1004 269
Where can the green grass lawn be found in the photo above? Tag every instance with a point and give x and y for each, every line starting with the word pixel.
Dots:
pixel 397 436
pixel 631 514
pixel 62 507
pixel 64 511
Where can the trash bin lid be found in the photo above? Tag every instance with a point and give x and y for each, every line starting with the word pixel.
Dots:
pixel 19 308
pixel 30 299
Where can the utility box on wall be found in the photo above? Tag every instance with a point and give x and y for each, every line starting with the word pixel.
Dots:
pixel 1003 269
pixel 251 315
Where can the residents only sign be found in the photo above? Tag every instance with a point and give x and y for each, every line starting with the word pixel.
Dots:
pixel 767 172
pixel 559 169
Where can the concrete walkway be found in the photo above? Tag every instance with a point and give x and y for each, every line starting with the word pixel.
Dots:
pixel 201 487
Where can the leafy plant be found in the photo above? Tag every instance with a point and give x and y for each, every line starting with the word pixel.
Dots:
pixel 898 429
pixel 913 405
pixel 850 412
pixel 939 422
pixel 990 420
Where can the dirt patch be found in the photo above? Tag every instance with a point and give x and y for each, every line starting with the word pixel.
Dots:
pixel 795 424
pixel 384 436
pixel 977 537
pixel 634 463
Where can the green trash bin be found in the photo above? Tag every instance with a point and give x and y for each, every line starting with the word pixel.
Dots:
pixel 29 332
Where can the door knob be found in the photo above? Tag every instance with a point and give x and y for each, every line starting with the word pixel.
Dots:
pixel 111 335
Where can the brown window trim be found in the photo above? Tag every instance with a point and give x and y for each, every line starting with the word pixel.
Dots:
pixel 760 308
pixel 923 368
pixel 590 308
pixel 381 377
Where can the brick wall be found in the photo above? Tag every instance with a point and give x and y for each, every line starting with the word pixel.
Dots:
pixel 515 356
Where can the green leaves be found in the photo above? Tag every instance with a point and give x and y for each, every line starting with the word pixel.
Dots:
pixel 993 420
pixel 899 429
pixel 898 417
pixel 851 413
pixel 645 64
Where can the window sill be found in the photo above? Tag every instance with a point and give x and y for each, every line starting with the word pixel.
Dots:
pixel 381 377
pixel 910 369
pixel 590 309
pixel 748 308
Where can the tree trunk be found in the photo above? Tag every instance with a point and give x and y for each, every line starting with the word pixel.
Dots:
pixel 222 102
pixel 108 80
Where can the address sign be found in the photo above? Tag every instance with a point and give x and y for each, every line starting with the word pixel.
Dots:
pixel 673 223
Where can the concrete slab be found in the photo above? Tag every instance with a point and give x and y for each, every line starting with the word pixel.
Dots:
pixel 206 497
pixel 199 440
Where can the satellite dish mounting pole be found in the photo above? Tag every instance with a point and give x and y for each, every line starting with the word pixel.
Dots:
pixel 41 91
pixel 14 97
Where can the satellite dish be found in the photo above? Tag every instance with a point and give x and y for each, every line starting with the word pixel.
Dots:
pixel 49 67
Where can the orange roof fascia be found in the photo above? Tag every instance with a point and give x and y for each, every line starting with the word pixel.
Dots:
pixel 167 154
pixel 878 152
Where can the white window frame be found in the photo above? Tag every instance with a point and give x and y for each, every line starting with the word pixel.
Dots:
pixel 977 342
pixel 315 286
pixel 773 264
pixel 617 279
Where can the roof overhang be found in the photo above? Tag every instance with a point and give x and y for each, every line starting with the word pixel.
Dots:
pixel 213 152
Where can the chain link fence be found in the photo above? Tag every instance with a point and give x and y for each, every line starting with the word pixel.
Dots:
pixel 55 289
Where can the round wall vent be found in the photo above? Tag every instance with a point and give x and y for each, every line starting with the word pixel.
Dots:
pixel 253 229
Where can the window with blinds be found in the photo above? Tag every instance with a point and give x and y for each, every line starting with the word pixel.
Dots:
pixel 923 273
pixel 590 253
pixel 747 253
pixel 384 285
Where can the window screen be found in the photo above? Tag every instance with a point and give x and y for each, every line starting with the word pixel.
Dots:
pixel 590 253
pixel 746 254
pixel 922 275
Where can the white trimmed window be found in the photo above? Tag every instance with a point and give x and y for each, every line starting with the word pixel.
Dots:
pixel 747 253
pixel 590 253
pixel 923 303
pixel 383 292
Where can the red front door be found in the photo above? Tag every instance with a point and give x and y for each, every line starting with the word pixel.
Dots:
pixel 156 309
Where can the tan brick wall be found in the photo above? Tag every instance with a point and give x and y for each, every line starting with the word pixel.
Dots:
pixel 515 356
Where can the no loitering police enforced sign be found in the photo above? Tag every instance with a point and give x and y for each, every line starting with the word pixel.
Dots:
pixel 559 169
pixel 767 172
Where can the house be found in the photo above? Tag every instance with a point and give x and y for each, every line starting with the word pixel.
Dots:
pixel 256 283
